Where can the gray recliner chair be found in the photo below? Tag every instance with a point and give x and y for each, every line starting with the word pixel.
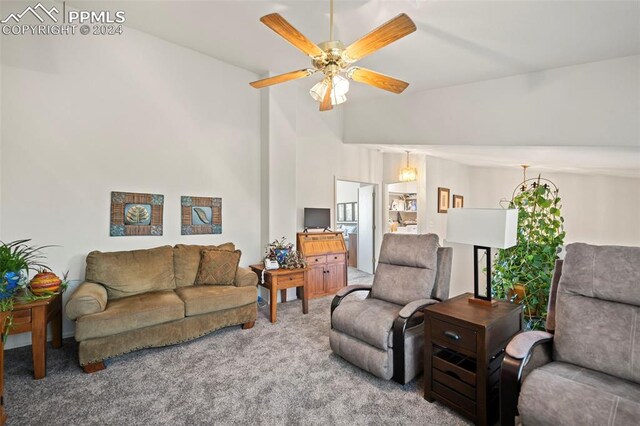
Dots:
pixel 383 334
pixel 585 370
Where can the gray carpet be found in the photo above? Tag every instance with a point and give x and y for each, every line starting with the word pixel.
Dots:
pixel 356 276
pixel 283 373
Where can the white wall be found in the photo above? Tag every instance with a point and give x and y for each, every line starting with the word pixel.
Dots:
pixel 84 116
pixel 597 209
pixel 594 104
pixel 346 192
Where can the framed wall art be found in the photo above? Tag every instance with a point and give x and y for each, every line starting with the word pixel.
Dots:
pixel 443 200
pixel 458 201
pixel 136 214
pixel 201 215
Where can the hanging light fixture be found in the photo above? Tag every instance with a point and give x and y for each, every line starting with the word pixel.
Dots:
pixel 408 174
pixel 338 94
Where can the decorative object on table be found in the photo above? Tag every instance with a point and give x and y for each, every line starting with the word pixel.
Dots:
pixel 45 282
pixel 458 201
pixel 443 200
pixel 412 205
pixel 484 228
pixel 331 58
pixel 294 260
pixel 201 215
pixel 408 174
pixel 340 212
pixel 136 214
pixel 523 272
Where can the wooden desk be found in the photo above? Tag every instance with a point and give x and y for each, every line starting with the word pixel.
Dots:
pixel 34 317
pixel 282 279
pixel 464 347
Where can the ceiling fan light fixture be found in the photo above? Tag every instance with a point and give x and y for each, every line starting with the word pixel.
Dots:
pixel 340 87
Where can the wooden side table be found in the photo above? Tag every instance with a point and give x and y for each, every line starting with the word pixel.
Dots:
pixel 34 317
pixel 282 279
pixel 464 347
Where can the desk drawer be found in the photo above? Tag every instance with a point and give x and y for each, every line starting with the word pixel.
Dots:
pixel 335 258
pixel 313 260
pixel 453 336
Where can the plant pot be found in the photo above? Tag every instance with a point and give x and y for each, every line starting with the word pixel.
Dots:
pixel 281 255
pixel 9 284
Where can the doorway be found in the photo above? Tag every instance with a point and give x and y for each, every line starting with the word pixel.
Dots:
pixel 355 218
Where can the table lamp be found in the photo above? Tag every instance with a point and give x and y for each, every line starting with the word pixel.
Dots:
pixel 484 228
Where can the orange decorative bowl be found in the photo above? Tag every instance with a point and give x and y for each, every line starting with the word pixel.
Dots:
pixel 45 282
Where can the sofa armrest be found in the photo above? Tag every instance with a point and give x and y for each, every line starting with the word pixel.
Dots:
pixel 344 292
pixel 524 353
pixel 245 277
pixel 88 298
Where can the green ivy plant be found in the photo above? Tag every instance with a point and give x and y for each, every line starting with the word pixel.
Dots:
pixel 529 264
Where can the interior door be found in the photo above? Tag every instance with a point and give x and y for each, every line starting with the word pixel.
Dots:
pixel 366 202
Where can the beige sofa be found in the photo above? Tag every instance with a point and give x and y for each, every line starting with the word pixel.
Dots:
pixel 147 298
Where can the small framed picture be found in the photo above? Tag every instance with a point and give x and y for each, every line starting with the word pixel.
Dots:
pixel 355 212
pixel 348 212
pixel 458 201
pixel 340 212
pixel 443 200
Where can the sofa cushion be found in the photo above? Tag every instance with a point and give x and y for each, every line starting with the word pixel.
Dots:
pixel 565 394
pixel 218 267
pixel 131 313
pixel 186 261
pixel 407 268
pixel 369 320
pixel 126 273
pixel 212 298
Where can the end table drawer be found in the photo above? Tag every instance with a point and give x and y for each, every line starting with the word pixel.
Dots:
pixel 292 280
pixel 453 336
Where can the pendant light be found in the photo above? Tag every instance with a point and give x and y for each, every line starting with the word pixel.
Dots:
pixel 408 174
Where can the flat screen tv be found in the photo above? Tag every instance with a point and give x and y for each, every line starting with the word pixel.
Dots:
pixel 317 218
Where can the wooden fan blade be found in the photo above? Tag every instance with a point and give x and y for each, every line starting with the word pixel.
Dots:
pixel 385 34
pixel 293 75
pixel 325 105
pixel 381 81
pixel 278 24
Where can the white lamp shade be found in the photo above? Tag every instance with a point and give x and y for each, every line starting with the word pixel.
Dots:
pixel 494 228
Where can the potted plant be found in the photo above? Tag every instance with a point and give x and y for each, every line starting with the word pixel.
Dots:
pixel 17 258
pixel 284 253
pixel 523 273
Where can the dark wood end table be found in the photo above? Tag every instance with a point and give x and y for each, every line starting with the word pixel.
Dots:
pixel 464 347
pixel 34 317
pixel 282 279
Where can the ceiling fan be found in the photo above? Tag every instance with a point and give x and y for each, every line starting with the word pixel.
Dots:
pixel 332 58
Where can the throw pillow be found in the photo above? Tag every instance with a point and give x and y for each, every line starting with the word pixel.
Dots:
pixel 218 267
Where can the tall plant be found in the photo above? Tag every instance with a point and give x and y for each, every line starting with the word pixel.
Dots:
pixel 523 273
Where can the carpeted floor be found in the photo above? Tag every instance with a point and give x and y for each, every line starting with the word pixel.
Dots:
pixel 283 373
pixel 356 276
